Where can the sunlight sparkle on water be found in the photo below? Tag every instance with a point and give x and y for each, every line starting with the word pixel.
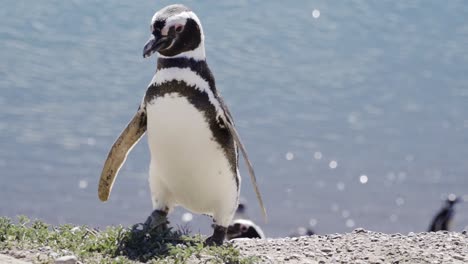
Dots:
pixel 316 13
pixel 313 222
pixel 83 184
pixel 340 186
pixel 400 201
pixel 345 213
pixel 363 179
pixel 391 176
pixel 318 155
pixel 187 217
pixel 289 156
pixel 350 223
pixel 401 176
pixel 452 197
pixel 465 198
pixel 335 207
pixel 333 164
pixel 91 141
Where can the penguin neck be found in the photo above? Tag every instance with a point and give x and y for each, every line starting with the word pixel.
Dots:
pixel 197 54
pixel 200 67
pixel 179 62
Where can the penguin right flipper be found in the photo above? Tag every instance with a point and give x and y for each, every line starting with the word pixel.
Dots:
pixel 253 179
pixel 118 153
pixel 237 139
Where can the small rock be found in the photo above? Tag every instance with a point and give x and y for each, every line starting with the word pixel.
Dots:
pixel 42 258
pixel 359 230
pixel 46 248
pixel 335 236
pixel 457 257
pixel 75 229
pixel 66 260
pixel 19 255
pixel 326 250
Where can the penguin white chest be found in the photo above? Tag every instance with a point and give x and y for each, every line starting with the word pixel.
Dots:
pixel 188 165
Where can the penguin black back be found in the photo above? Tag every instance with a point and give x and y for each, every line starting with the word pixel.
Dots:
pixel 444 217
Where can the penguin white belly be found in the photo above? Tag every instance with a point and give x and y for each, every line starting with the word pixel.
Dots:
pixel 188 167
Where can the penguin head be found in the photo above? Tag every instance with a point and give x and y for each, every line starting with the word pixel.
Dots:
pixel 452 199
pixel 175 32
pixel 243 228
pixel 240 208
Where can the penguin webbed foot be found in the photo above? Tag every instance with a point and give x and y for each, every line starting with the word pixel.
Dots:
pixel 156 221
pixel 217 239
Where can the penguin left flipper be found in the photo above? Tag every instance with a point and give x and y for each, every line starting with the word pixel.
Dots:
pixel 230 124
pixel 118 153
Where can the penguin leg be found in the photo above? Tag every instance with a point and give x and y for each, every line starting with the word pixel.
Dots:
pixel 160 198
pixel 157 220
pixel 222 217
pixel 219 234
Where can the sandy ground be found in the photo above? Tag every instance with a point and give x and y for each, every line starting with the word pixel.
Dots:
pixel 4 259
pixel 360 246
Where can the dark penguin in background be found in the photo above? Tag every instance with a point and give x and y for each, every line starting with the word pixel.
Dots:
pixel 242 227
pixel 302 231
pixel 191 134
pixel 442 220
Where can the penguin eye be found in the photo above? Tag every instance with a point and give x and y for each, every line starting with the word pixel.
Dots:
pixel 243 228
pixel 179 28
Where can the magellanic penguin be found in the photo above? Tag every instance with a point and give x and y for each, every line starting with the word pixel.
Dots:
pixel 443 219
pixel 242 227
pixel 191 134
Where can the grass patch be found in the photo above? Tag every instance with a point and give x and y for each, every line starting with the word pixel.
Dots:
pixel 112 245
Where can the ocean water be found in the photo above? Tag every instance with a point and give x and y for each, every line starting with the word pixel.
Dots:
pixel 355 114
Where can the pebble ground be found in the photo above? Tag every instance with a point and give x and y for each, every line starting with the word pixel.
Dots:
pixel 360 246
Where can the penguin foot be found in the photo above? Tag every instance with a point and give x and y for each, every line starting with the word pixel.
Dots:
pixel 218 236
pixel 157 220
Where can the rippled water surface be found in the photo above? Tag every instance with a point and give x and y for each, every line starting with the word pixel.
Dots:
pixel 354 113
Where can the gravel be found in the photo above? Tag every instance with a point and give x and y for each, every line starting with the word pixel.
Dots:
pixel 360 246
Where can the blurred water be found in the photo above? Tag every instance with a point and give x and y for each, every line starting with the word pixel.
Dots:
pixel 353 116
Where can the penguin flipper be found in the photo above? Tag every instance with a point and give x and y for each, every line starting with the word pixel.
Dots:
pixel 119 151
pixel 253 179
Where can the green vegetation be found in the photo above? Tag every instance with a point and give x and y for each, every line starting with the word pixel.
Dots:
pixel 113 245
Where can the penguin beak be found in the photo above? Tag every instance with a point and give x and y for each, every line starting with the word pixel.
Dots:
pixel 155 44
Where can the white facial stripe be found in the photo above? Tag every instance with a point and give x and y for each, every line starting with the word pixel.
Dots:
pixel 191 78
pixel 173 21
pixel 178 19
